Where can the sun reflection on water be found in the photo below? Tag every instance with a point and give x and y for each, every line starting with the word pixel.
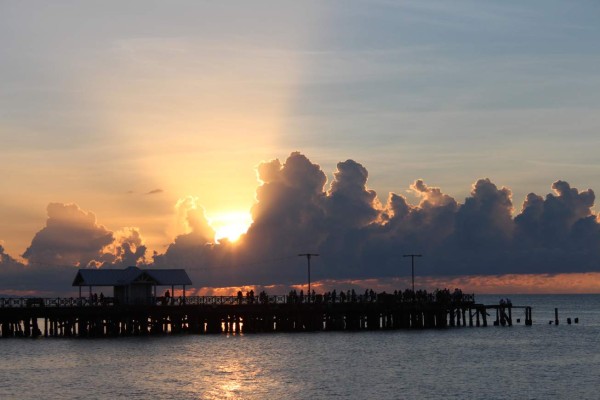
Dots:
pixel 236 379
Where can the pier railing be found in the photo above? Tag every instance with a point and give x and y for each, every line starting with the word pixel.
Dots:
pixel 32 302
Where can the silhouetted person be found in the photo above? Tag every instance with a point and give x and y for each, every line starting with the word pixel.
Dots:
pixel 101 298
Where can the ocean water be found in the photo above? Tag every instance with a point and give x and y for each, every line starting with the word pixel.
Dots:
pixel 538 362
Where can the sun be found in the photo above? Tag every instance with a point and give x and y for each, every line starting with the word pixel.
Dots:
pixel 230 225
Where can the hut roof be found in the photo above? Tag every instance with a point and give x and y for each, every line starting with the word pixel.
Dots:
pixel 129 275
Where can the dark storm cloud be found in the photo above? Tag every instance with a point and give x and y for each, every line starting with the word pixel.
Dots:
pixel 356 236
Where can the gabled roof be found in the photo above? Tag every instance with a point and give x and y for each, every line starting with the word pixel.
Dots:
pixel 169 276
pixel 129 275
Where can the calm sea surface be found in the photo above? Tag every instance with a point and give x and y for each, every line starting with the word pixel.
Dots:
pixel 539 362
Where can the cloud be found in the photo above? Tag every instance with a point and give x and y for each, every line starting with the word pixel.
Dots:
pixel 19 279
pixel 71 239
pixel 357 237
pixel 155 191
pixel 360 238
pixel 350 204
pixel 127 249
pixel 71 236
pixel 187 248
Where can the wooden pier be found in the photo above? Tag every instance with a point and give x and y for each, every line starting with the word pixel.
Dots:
pixel 233 315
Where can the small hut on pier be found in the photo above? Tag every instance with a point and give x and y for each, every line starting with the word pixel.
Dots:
pixel 132 285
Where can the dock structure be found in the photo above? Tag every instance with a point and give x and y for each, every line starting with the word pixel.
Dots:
pixel 83 317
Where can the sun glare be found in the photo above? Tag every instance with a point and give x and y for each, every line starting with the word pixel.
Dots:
pixel 230 225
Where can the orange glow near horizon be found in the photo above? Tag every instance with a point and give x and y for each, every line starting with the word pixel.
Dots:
pixel 576 283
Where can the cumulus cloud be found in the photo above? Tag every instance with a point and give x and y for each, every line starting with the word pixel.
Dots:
pixel 127 249
pixel 71 239
pixel 350 204
pixel 187 248
pixel 71 236
pixel 356 236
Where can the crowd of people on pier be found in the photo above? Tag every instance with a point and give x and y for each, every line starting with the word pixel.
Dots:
pixel 370 296
pixel 351 296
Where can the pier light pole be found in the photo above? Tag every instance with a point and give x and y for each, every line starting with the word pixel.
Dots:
pixel 308 256
pixel 412 256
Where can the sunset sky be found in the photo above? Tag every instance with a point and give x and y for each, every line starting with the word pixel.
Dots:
pixel 128 128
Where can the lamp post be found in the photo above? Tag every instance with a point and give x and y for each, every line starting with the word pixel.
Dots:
pixel 412 256
pixel 308 257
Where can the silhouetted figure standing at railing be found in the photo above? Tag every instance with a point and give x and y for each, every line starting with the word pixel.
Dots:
pixel 240 296
pixel 101 298
pixel 262 297
pixel 167 297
